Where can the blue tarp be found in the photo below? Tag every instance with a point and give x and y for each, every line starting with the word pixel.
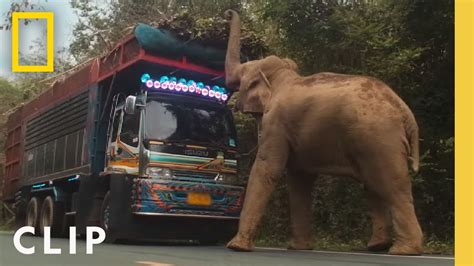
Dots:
pixel 165 43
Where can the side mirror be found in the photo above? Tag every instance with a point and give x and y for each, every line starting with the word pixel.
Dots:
pixel 130 105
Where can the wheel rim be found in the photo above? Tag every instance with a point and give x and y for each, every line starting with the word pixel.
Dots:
pixel 106 217
pixel 46 217
pixel 30 218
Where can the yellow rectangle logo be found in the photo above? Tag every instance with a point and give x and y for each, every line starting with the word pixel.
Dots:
pixel 49 16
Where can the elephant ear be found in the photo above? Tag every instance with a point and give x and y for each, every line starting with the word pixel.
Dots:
pixel 255 83
pixel 254 92
pixel 257 101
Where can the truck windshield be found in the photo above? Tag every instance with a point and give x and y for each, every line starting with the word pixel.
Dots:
pixel 186 122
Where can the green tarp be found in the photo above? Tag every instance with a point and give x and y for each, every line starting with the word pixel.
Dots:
pixel 165 43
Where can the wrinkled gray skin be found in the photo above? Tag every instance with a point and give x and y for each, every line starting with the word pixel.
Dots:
pixel 332 124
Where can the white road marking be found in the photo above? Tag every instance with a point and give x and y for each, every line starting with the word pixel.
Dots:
pixel 152 263
pixel 360 254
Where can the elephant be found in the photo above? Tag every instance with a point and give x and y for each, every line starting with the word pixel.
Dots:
pixel 331 124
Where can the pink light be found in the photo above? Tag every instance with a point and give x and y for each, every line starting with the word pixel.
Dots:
pixel 205 92
pixel 198 90
pixel 192 88
pixel 156 84
pixel 218 95
pixel 164 85
pixel 149 83
pixel 212 93
pixel 172 85
pixel 185 88
pixel 178 87
pixel 224 97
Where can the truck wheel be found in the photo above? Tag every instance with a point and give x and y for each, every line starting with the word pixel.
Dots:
pixel 105 217
pixel 32 213
pixel 52 215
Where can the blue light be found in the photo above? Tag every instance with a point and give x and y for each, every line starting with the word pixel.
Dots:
pixel 164 79
pixel 145 77
pixel 39 185
pixel 172 84
pixel 74 178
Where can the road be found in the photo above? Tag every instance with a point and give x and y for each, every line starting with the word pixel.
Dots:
pixel 160 254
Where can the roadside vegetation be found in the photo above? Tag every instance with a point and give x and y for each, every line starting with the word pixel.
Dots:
pixel 406 43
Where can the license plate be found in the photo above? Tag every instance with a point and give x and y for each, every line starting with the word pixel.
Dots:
pixel 199 198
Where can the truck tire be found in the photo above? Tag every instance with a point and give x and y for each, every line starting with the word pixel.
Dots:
pixel 32 213
pixel 52 215
pixel 105 217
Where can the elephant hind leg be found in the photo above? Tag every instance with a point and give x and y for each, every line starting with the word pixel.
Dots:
pixel 391 181
pixel 381 239
pixel 300 187
pixel 408 234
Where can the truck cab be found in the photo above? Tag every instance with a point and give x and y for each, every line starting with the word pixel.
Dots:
pixel 178 147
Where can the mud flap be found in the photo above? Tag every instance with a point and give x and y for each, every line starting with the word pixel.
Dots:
pixel 121 218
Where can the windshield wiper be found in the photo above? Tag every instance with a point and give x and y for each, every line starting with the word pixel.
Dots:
pixel 183 142
pixel 204 143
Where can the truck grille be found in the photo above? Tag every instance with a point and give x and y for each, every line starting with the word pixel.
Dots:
pixel 185 174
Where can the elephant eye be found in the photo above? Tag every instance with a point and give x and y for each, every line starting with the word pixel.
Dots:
pixel 253 84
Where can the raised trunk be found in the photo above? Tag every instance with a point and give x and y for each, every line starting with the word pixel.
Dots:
pixel 232 59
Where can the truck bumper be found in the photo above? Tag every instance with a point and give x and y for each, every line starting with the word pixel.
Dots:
pixel 157 209
pixel 154 197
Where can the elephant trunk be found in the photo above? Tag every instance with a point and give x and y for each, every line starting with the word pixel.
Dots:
pixel 232 59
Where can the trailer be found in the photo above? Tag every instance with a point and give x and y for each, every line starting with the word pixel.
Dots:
pixel 139 141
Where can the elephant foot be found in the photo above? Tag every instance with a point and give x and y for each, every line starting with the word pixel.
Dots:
pixel 300 245
pixel 239 243
pixel 399 249
pixel 379 245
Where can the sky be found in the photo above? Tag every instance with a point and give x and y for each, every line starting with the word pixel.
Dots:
pixel 64 20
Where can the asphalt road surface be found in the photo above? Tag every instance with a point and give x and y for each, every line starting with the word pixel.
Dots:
pixel 161 254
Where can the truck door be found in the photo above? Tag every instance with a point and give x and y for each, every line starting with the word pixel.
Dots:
pixel 115 129
pixel 123 147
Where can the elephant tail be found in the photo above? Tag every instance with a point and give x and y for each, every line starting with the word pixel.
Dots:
pixel 411 128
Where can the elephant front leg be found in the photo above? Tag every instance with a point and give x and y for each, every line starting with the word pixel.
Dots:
pixel 266 170
pixel 300 187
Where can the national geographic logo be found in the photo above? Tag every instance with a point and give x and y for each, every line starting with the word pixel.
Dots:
pixel 49 17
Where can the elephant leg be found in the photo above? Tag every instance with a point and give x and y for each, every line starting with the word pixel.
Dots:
pixel 408 234
pixel 300 187
pixel 268 167
pixel 381 239
pixel 391 181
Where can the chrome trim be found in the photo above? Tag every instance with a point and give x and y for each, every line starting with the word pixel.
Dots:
pixel 70 213
pixel 186 215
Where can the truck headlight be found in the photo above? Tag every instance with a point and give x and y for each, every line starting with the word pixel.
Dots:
pixel 228 179
pixel 159 172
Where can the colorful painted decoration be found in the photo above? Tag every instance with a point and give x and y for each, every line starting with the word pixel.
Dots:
pixel 185 86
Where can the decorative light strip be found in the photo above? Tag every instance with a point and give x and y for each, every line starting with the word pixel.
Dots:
pixel 186 86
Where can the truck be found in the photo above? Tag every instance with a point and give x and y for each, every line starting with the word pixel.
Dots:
pixel 139 141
